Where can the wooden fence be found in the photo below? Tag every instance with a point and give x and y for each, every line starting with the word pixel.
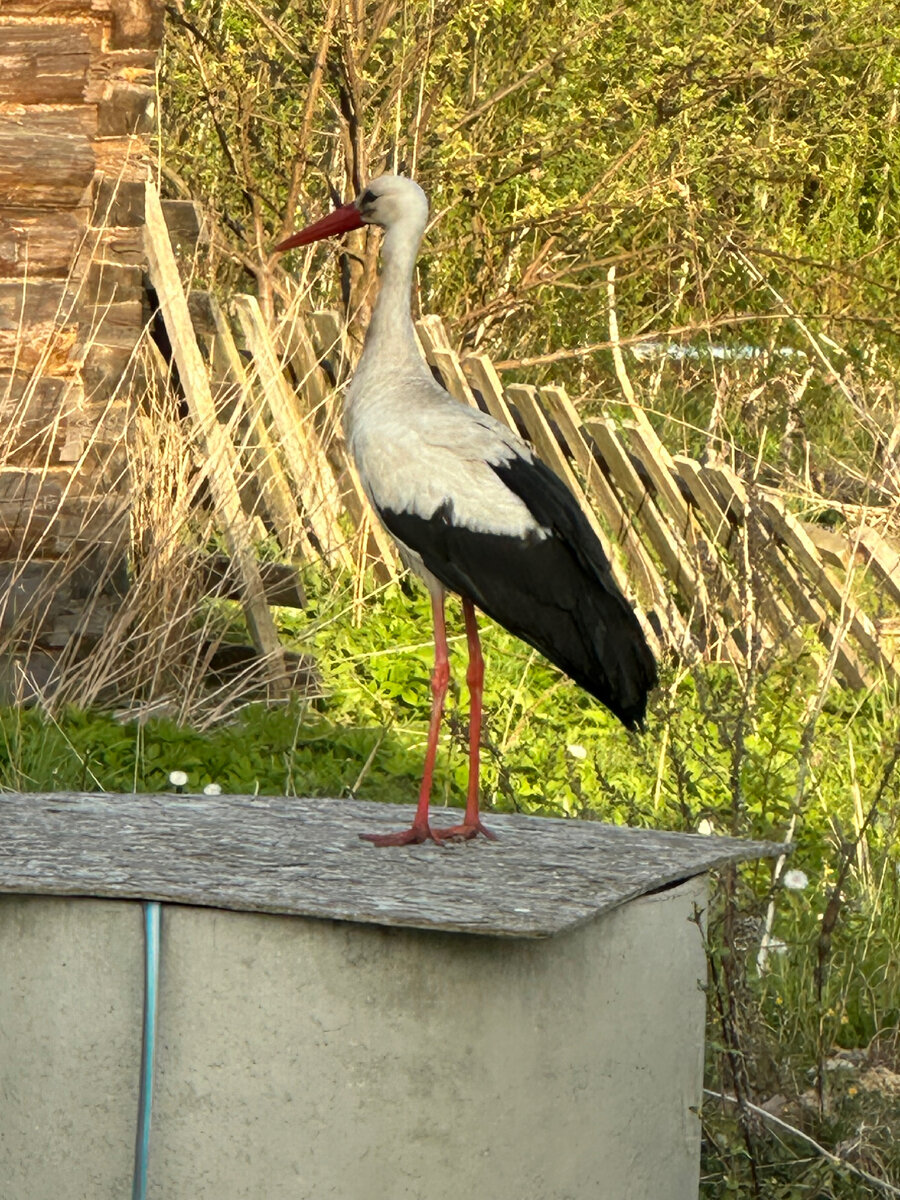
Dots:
pixel 716 563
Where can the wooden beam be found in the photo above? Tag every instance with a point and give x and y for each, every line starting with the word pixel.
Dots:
pixel 218 451
pixel 45 162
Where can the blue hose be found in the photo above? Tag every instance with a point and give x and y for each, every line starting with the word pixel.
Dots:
pixel 152 913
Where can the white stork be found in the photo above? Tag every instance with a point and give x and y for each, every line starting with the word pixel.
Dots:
pixel 473 511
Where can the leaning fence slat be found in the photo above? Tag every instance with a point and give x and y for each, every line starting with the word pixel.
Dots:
pixel 219 452
pixel 299 351
pixel 306 460
pixel 541 435
pixel 720 530
pixel 432 333
pixel 787 528
pixel 785 618
pixel 807 606
pixel 483 378
pixel 660 468
pixel 451 373
pixel 661 536
pixel 884 561
pixel 549 449
pixel 658 464
pixel 641 568
pixel 274 488
pixel 330 336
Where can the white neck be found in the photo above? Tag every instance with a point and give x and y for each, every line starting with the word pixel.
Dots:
pixel 390 336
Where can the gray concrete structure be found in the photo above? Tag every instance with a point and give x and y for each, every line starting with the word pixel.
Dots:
pixel 302 1058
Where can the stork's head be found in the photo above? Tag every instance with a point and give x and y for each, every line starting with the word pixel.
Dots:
pixel 387 201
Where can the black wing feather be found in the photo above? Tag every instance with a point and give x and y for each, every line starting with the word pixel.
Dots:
pixel 556 593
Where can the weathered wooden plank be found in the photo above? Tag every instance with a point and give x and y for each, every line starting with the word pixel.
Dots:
pixel 43 419
pixel 136 24
pixel 39 300
pixel 275 490
pixel 306 460
pixel 126 108
pixel 837 549
pixel 549 449
pixel 47 346
pixel 332 347
pixel 119 66
pixel 720 590
pixel 720 530
pixel 304 857
pixel 186 223
pixel 107 301
pixel 39 242
pixel 789 530
pixel 280 580
pixel 116 325
pixel 785 619
pixel 218 451
pixel 46 161
pixel 448 366
pixel 882 558
pixel 642 571
pixel 377 549
pixel 431 333
pixel 45 8
pixel 42 513
pixel 806 605
pixel 672 554
pixel 299 353
pixel 45 62
pixel 483 379
pixel 440 355
pixel 118 202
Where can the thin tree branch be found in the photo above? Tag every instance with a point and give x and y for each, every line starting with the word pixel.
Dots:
pixel 836 1160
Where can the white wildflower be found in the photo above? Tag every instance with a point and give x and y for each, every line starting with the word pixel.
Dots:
pixel 577 751
pixel 795 880
pixel 178 778
pixel 705 827
pixel 212 789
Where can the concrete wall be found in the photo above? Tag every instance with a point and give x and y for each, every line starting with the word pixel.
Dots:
pixel 304 1059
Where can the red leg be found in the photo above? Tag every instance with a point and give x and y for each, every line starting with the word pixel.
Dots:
pixel 471 824
pixel 420 830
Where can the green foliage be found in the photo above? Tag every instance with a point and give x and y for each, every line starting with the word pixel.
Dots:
pixel 660 137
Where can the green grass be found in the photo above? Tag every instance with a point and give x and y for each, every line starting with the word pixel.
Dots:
pixel 744 755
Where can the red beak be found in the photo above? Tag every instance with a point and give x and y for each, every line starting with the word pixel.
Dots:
pixel 342 220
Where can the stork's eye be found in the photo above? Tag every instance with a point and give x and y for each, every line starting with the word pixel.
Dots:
pixel 368 197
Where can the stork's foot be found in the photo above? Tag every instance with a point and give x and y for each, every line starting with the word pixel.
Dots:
pixel 414 836
pixel 463 832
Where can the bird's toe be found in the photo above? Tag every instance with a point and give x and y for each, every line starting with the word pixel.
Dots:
pixel 413 836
